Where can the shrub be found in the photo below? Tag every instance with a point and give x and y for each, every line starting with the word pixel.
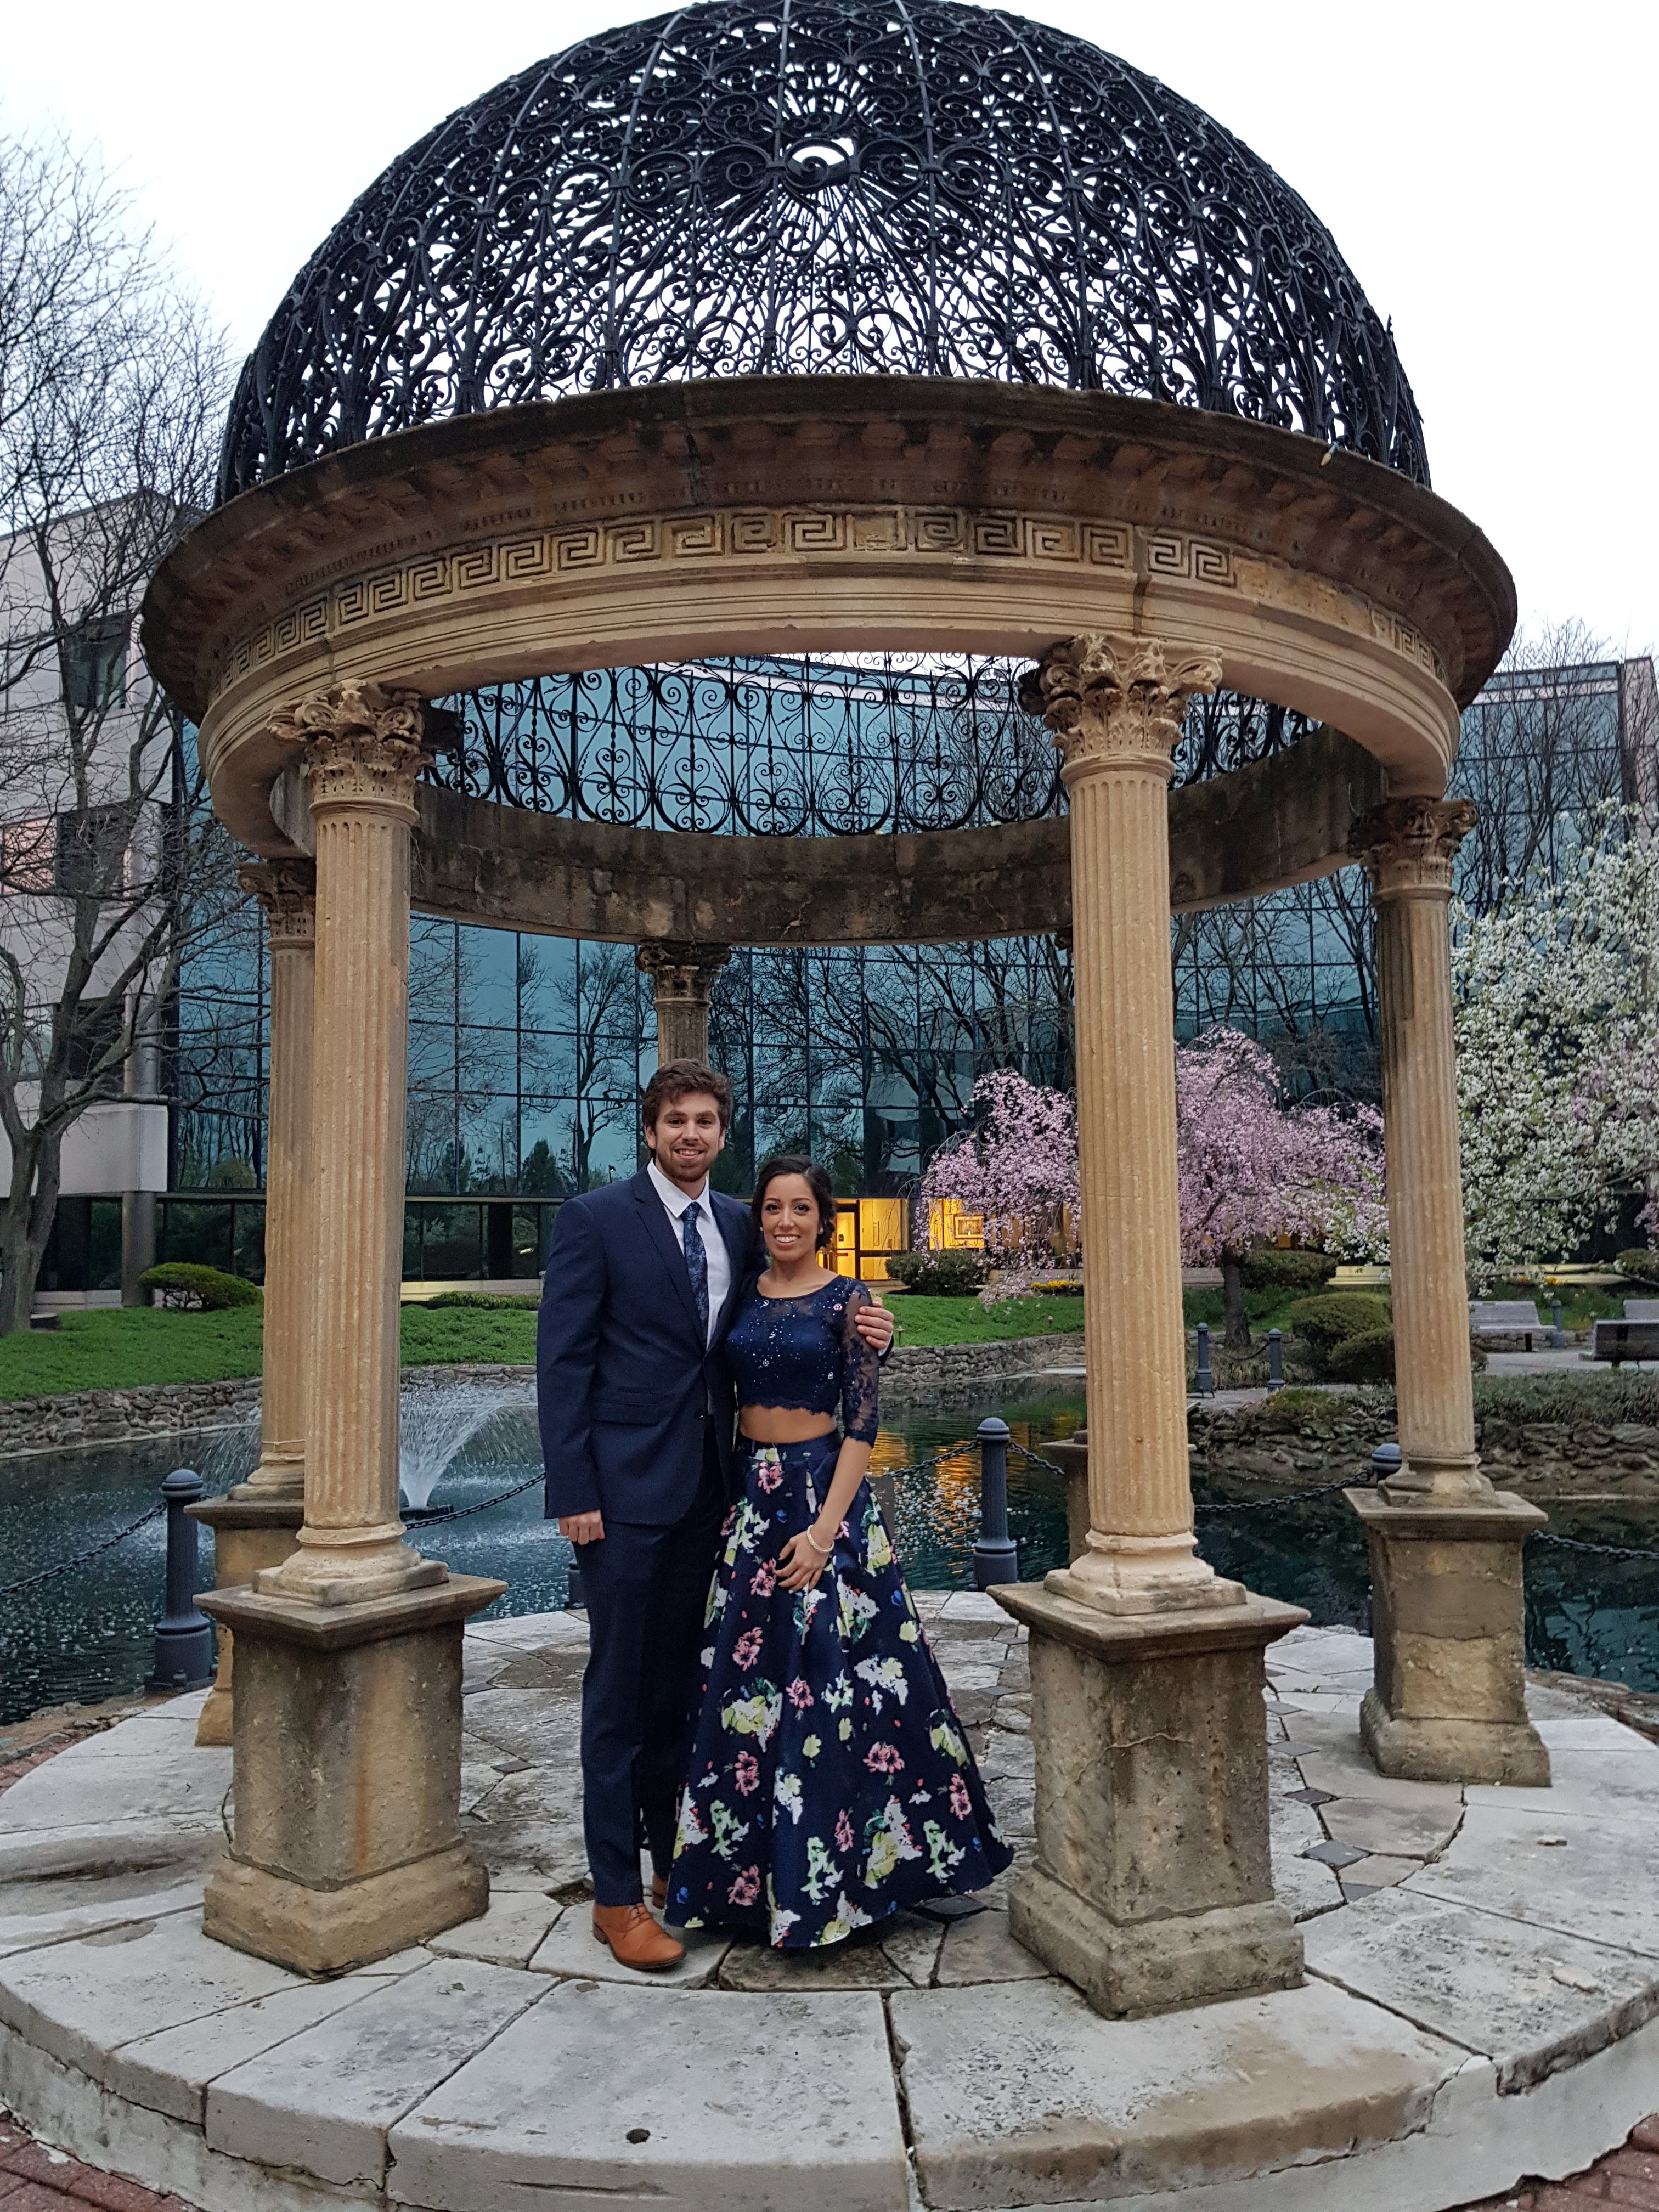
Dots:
pixel 493 1301
pixel 1367 1358
pixel 939 1274
pixel 1641 1267
pixel 1324 1322
pixel 179 1283
pixel 1267 1268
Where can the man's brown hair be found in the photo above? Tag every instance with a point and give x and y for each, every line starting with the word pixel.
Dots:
pixel 677 1078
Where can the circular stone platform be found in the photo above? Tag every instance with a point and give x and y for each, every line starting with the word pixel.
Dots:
pixel 1483 1970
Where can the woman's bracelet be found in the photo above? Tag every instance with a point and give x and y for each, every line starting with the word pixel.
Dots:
pixel 824 1551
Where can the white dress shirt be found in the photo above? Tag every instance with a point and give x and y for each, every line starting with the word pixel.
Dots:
pixel 714 1245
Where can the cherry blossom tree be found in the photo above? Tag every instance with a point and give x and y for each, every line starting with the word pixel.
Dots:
pixel 1016 1167
pixel 1557 1068
pixel 1254 1167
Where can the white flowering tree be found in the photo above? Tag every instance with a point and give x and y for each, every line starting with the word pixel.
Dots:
pixel 1557 1066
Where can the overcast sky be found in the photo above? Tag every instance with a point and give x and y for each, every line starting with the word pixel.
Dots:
pixel 1488 170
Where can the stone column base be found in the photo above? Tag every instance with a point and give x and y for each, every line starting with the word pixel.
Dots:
pixel 250 1531
pixel 1071 1455
pixel 348 1768
pixel 1449 1628
pixel 1154 1884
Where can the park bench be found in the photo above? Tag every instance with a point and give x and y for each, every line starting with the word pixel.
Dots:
pixel 1642 1309
pixel 1617 1341
pixel 1506 1317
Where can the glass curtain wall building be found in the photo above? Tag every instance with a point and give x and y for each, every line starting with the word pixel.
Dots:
pixel 528 1053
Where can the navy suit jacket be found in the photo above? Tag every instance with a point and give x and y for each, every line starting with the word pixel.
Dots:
pixel 627 1389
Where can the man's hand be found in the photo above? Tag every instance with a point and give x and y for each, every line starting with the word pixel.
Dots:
pixel 874 1324
pixel 582 1527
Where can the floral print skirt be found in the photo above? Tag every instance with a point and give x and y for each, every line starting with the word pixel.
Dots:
pixel 830 1780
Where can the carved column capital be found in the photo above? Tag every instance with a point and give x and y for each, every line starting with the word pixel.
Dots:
pixel 1116 702
pixel 286 890
pixel 1409 845
pixel 362 744
pixel 682 970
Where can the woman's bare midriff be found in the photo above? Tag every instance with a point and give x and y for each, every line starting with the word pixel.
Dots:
pixel 783 1425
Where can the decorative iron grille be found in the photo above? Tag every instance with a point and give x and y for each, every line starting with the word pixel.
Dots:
pixel 776 748
pixel 911 187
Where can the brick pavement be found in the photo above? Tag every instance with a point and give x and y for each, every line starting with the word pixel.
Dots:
pixel 1629 2177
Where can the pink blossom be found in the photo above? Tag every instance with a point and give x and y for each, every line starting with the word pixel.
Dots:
pixel 746 1889
pixel 745 1772
pixel 746 1650
pixel 961 1804
pixel 799 1694
pixel 882 1758
pixel 764 1580
pixel 767 1475
pixel 843 1832
pixel 1016 1167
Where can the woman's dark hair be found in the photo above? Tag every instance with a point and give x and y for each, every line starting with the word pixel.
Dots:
pixel 796 1163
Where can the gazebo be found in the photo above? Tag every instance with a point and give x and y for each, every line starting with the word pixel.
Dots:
pixel 852 329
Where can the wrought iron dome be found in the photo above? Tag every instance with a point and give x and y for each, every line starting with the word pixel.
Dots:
pixel 909 186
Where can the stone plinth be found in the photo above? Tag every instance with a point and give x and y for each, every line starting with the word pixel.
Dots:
pixel 250 1532
pixel 1448 1702
pixel 348 1844
pixel 1153 1883
pixel 1071 1454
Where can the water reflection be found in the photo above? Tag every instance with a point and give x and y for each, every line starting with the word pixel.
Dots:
pixel 88 1635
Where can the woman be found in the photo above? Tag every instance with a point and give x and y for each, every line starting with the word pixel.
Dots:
pixel 830 1780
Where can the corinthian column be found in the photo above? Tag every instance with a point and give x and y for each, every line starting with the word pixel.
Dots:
pixel 683 977
pixel 361 751
pixel 1448 1614
pixel 287 891
pixel 1408 846
pixel 1115 706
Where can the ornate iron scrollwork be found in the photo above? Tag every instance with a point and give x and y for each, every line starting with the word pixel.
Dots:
pixel 814 748
pixel 915 187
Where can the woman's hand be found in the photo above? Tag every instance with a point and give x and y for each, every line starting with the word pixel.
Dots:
pixel 802 1562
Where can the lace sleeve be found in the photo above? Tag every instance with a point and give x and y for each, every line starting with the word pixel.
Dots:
pixel 860 1373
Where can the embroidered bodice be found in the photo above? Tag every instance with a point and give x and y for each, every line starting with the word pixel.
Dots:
pixel 806 1355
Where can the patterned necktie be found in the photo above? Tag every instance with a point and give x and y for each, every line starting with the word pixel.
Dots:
pixel 697 1261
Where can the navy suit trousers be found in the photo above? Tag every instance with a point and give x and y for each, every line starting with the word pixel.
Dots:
pixel 646 1589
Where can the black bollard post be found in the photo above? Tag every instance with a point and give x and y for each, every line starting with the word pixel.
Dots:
pixel 1275 1359
pixel 1204 1381
pixel 184 1637
pixel 996 1558
pixel 1385 1462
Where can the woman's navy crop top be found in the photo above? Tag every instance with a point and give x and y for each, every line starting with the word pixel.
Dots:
pixel 806 1355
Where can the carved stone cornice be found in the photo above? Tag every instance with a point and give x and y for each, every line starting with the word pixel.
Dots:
pixel 287 890
pixel 1116 702
pixel 1409 845
pixel 360 744
pixel 682 971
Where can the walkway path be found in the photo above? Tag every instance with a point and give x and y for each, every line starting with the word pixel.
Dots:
pixel 1482 1967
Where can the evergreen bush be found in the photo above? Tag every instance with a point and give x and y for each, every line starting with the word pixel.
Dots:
pixel 1324 1322
pixel 939 1274
pixel 1367 1358
pixel 187 1288
pixel 1269 1268
pixel 491 1301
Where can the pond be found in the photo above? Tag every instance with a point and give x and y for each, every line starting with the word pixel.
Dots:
pixel 89 1634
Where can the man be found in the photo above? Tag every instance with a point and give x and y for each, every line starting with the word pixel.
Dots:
pixel 637 1422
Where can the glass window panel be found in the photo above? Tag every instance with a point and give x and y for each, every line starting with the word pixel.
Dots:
pixel 433 1155
pixel 486 1060
pixel 487 979
pixel 547 982
pixel 489 1143
pixel 451 1243
pixel 547 1146
pixel 547 1064
pixel 432 968
pixel 432 1055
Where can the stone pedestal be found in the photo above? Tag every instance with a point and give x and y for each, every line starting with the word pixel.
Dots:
pixel 1449 1702
pixel 1154 1884
pixel 1071 1454
pixel 348 1764
pixel 250 1531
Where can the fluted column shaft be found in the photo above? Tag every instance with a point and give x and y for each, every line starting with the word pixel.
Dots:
pixel 361 751
pixel 1115 706
pixel 683 978
pixel 1408 846
pixel 287 890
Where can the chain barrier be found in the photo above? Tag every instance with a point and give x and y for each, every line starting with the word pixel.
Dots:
pixel 462 1512
pixel 1577 1544
pixel 1036 1459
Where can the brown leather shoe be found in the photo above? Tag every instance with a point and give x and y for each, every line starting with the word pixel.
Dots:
pixel 634 1938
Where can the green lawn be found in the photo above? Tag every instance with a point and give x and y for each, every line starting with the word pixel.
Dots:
pixel 113 1348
